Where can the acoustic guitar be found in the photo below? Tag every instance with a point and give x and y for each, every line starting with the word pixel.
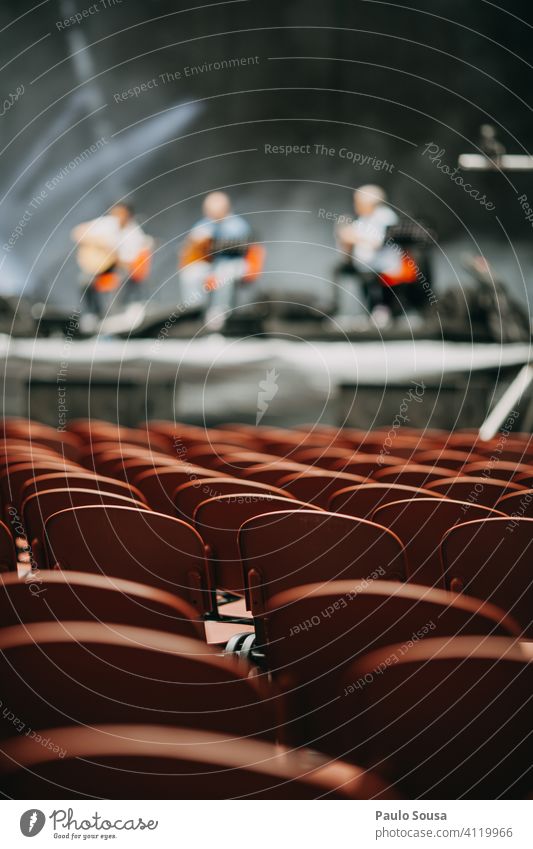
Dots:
pixel 94 259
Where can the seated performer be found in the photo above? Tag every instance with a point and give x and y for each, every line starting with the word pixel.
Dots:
pixel 218 260
pixel 370 254
pixel 111 249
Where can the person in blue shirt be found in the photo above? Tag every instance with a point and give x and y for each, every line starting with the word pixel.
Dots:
pixel 215 260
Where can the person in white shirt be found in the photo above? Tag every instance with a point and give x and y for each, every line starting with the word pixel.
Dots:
pixel 110 250
pixel 365 240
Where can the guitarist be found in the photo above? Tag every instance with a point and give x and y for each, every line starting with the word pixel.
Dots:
pixel 216 258
pixel 109 249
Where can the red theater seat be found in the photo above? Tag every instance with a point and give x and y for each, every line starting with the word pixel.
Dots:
pixel 362 500
pixel 218 521
pixel 139 545
pixel 312 632
pixel 82 479
pixel 448 719
pixel 286 549
pixel 486 491
pixel 420 523
pixel 37 509
pixel 412 474
pixel 88 673
pixel 517 503
pixel 8 557
pixel 158 485
pixel 492 559
pixel 501 469
pixel 157 762
pixel 272 472
pixel 189 495
pixel 48 596
pixel 317 487
pixel 448 458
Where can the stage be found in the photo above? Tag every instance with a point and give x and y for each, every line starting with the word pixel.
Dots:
pixel 271 380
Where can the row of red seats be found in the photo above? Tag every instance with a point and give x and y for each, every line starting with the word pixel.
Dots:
pixel 148 538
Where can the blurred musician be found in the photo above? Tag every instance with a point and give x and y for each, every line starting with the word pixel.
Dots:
pixel 112 250
pixel 365 240
pixel 217 259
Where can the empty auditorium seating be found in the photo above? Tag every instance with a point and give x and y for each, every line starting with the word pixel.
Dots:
pixel 156 762
pixel 218 521
pixel 40 506
pixel 421 523
pixel 79 596
pixel 83 479
pixel 317 487
pixel 286 549
pixel 501 469
pixel 448 458
pixel 139 545
pixel 486 491
pixel 8 558
pixel 264 612
pixel 159 485
pixel 312 632
pixel 88 672
pixel 412 474
pixel 492 559
pixel 15 476
pixel 517 503
pixel 366 464
pixel 447 719
pixel 272 472
pixel 189 495
pixel 363 499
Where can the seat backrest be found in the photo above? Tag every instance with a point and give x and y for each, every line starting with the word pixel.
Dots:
pixel 366 465
pixel 317 487
pixel 218 521
pixel 128 468
pixel 139 545
pixel 37 508
pixel 88 673
pixel 517 504
pixel 492 559
pixel 448 719
pixel 189 495
pixel 501 469
pixel 85 480
pixel 313 632
pixel 450 459
pixel 104 461
pixel 362 500
pixel 476 490
pixel 524 479
pixel 420 523
pixel 208 454
pixel 181 763
pixel 285 549
pixel 233 463
pixel 323 457
pixel 54 595
pixel 8 555
pixel 15 476
pixel 271 473
pixel 158 485
pixel 412 474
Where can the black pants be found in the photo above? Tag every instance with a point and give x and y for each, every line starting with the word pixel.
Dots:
pixel 96 302
pixel 132 292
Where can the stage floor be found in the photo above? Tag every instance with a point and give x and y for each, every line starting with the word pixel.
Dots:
pixel 215 378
